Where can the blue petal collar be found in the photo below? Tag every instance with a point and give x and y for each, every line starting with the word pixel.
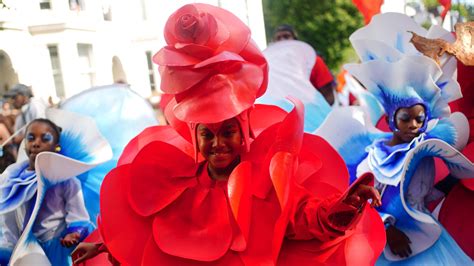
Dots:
pixel 386 162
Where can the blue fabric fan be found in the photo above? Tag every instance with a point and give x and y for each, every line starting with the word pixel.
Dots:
pixel 120 114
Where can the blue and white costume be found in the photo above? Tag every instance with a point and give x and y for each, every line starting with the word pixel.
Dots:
pixel 399 77
pixel 38 208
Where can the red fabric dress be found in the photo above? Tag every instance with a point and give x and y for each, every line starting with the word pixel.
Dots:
pixel 282 205
pixel 456 213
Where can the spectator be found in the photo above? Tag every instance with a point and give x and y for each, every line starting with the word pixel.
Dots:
pixel 29 106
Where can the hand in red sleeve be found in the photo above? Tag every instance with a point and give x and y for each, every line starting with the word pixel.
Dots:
pixel 361 193
pixel 398 242
pixel 70 239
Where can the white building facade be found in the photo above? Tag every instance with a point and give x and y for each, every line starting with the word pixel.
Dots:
pixel 62 47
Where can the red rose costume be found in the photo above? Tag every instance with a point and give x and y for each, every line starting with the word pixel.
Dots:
pixel 281 205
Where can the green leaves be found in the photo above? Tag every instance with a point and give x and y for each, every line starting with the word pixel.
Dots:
pixel 325 24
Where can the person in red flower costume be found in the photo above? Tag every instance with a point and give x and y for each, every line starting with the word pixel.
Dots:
pixel 229 182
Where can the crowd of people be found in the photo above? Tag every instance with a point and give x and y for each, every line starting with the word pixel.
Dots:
pixel 231 182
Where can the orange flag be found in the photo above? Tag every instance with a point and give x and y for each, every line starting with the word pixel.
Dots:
pixel 369 8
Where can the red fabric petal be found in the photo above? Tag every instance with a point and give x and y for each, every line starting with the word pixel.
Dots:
pixel 196 226
pixel 239 33
pixel 181 127
pixel 155 133
pixel 456 215
pixel 179 79
pixel 220 58
pixel 124 231
pixel 368 240
pixel 252 53
pixel 361 246
pixel 282 168
pixel 290 134
pixel 154 256
pixel 204 102
pixel 240 196
pixel 199 51
pixel 169 56
pixel 159 174
pixel 264 215
pixel 263 116
pixel 169 31
pixel 332 169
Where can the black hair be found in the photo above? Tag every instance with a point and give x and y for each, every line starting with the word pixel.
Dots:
pixel 286 27
pixel 57 129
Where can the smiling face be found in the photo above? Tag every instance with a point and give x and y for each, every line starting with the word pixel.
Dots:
pixel 39 137
pixel 221 145
pixel 408 122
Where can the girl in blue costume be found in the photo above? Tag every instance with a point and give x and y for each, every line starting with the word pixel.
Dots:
pixel 403 163
pixel 414 93
pixel 52 213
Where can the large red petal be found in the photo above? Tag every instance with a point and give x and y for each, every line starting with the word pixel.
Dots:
pixel 124 232
pixel 252 53
pixel 160 173
pixel 179 79
pixel 290 135
pixel 332 168
pixel 196 226
pixel 204 102
pixel 263 116
pixel 154 256
pixel 155 133
pixel 195 50
pixel 368 241
pixel 219 58
pixel 169 56
pixel 239 189
pixel 239 32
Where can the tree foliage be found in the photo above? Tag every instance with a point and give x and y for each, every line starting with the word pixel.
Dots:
pixel 325 24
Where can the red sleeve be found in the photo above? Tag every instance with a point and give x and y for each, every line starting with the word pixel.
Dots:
pixel 326 219
pixel 320 74
pixel 323 220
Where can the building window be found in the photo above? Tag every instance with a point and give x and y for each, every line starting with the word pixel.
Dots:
pixel 86 66
pixel 56 68
pixel 107 12
pixel 45 4
pixel 151 73
pixel 77 5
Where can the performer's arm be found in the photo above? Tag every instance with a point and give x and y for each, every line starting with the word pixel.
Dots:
pixel 330 218
pixel 77 218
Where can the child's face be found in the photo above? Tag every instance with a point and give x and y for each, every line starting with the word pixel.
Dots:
pixel 220 144
pixel 409 121
pixel 39 137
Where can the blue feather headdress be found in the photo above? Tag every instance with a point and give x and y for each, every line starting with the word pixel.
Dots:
pixel 404 83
